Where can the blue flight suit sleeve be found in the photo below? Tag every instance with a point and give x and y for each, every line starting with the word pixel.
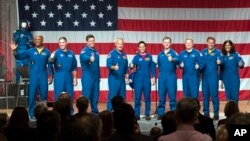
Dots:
pixel 176 58
pixel 153 67
pixel 30 37
pixel 84 57
pixel 109 61
pixel 134 61
pixel 158 60
pixel 50 66
pixel 180 59
pixel 239 59
pixel 200 61
pixel 126 66
pixel 74 65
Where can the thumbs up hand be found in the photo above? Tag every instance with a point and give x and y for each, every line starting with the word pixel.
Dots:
pixel 197 66
pixel 116 67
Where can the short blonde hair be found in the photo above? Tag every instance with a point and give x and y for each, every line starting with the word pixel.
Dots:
pixel 189 38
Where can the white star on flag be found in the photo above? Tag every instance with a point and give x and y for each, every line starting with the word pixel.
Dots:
pixel 100 15
pixel 76 23
pixel 34 15
pixel 43 7
pixel 76 7
pixel 109 7
pixel 67 15
pixel 27 7
pixel 43 23
pixel 92 7
pixel 92 23
pixel 51 15
pixel 109 23
pixel 84 15
pixel 59 6
pixel 59 23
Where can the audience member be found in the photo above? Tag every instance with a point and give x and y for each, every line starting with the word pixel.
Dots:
pixel 117 101
pixel 124 118
pixel 168 122
pixel 186 114
pixel 107 123
pixel 204 124
pixel 18 128
pixel 3 121
pixel 231 107
pixel 82 104
pixel 86 128
pixel 49 126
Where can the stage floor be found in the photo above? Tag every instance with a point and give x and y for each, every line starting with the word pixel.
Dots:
pixel 243 105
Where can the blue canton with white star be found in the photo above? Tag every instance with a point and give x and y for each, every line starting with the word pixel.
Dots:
pixel 69 15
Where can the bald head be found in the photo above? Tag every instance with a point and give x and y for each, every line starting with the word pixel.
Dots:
pixel 119 44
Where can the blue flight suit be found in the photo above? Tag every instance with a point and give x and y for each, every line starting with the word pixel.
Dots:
pixel 38 75
pixel 167 83
pixel 90 76
pixel 230 75
pixel 191 75
pixel 64 64
pixel 116 78
pixel 24 40
pixel 145 67
pixel 210 80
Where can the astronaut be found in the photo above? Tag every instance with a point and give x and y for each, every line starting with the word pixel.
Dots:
pixel 65 64
pixel 145 68
pixel 89 59
pixel 39 72
pixel 117 63
pixel 167 63
pixel 24 40
pixel 210 78
pixel 191 63
pixel 231 62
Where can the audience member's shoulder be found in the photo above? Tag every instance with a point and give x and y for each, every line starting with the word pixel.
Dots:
pixel 200 137
pixel 165 137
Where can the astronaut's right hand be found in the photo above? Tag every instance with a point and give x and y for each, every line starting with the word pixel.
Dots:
pixel 170 58
pixel 13 46
pixel 52 55
pixel 131 65
pixel 116 67
pixel 92 58
pixel 182 65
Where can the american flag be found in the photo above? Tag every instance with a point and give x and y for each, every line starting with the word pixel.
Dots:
pixel 135 20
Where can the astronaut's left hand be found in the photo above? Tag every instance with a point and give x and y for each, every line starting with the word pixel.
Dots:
pixel 75 82
pixel 241 64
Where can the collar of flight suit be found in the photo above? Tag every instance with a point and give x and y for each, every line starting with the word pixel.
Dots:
pixel 192 49
pixel 39 50
pixel 209 52
pixel 119 52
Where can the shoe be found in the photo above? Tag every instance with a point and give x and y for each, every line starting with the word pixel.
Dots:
pixel 207 115
pixel 216 117
pixel 147 117
pixel 159 117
